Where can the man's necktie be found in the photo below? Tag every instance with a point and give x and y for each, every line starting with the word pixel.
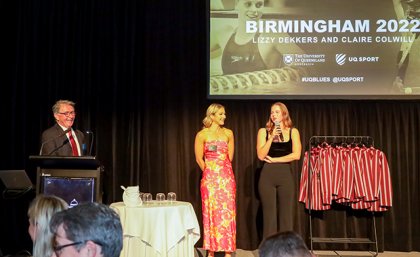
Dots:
pixel 73 144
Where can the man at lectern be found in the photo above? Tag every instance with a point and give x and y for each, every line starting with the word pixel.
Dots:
pixel 61 139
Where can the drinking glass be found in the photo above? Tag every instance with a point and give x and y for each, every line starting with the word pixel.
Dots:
pixel 171 197
pixel 160 197
pixel 147 197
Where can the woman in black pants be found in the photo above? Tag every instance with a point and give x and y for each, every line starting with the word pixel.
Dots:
pixel 278 144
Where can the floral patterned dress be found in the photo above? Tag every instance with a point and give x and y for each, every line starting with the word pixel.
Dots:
pixel 218 190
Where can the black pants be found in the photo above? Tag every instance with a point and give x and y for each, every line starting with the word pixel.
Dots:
pixel 277 192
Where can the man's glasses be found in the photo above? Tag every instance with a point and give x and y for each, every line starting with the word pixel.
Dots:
pixel 59 248
pixel 73 113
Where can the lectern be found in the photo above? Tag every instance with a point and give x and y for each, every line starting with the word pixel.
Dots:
pixel 75 179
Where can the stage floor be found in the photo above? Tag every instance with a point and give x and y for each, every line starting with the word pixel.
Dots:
pixel 244 253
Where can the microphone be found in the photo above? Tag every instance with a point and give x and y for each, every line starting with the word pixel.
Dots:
pixel 91 141
pixel 63 144
pixel 52 139
pixel 277 125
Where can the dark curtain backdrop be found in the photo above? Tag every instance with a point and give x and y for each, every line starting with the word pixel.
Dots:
pixel 137 71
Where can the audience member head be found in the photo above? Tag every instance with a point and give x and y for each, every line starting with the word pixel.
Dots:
pixel 40 213
pixel 284 244
pixel 91 229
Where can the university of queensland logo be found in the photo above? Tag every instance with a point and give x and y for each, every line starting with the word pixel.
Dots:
pixel 288 59
pixel 340 59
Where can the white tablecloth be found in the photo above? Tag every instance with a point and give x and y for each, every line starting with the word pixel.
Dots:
pixel 156 229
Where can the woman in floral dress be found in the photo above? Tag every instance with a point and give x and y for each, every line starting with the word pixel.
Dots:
pixel 214 147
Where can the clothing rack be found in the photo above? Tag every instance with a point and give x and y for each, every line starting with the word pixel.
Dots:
pixel 345 140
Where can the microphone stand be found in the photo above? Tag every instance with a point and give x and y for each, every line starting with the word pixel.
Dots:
pixel 91 141
pixel 63 144
pixel 52 139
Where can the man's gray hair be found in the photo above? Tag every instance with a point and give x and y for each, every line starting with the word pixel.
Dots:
pixel 56 106
pixel 94 222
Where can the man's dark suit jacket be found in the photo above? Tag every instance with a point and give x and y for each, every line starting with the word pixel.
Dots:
pixel 57 145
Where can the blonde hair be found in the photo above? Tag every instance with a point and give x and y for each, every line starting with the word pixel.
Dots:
pixel 287 121
pixel 40 211
pixel 211 110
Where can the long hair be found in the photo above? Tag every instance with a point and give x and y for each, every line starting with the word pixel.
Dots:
pixel 211 110
pixel 287 121
pixel 40 211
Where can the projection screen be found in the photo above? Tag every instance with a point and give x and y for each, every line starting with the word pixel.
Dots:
pixel 309 49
